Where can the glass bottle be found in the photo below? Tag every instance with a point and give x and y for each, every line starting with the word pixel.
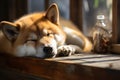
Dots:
pixel 101 36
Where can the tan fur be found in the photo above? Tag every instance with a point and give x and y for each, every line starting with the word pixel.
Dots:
pixel 37 26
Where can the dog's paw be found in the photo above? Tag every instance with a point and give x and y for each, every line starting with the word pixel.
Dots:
pixel 67 50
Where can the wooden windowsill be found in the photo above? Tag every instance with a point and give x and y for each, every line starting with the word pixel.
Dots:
pixel 76 67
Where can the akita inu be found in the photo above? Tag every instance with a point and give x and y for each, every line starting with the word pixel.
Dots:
pixel 41 35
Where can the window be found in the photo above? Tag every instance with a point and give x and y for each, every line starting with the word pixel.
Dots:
pixel 35 5
pixel 41 5
pixel 92 8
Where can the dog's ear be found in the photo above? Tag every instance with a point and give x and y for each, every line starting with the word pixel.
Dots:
pixel 53 14
pixel 10 30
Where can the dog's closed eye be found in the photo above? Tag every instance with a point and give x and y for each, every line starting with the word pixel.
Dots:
pixel 32 38
pixel 49 34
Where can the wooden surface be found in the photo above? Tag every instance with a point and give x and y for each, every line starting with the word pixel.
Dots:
pixel 77 67
pixel 93 60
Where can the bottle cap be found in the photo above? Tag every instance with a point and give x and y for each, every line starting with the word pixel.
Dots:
pixel 100 17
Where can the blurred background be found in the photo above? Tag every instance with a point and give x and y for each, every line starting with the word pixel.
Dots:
pixel 81 12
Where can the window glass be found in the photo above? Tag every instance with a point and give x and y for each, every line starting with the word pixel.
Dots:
pixel 38 5
pixel 35 5
pixel 92 8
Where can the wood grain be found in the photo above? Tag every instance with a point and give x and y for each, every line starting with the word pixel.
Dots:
pixel 77 67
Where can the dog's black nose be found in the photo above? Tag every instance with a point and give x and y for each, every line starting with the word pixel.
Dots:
pixel 48 50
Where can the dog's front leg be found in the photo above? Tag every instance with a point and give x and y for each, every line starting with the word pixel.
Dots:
pixel 67 50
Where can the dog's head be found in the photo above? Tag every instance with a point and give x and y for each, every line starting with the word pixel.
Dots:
pixel 37 34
